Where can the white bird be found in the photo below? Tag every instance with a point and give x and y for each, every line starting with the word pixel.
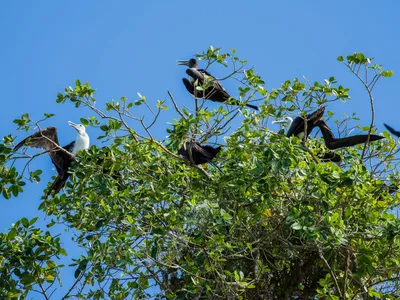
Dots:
pixel 60 156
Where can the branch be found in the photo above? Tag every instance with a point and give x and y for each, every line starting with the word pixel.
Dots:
pixel 347 270
pixel 55 144
pixel 371 100
pixel 73 286
pixel 331 271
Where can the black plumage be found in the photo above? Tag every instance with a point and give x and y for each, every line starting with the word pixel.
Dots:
pixel 200 154
pixel 335 143
pixel 62 160
pixel 297 127
pixel 48 140
pixel 215 92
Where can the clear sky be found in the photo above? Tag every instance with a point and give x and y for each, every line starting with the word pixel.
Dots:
pixel 124 47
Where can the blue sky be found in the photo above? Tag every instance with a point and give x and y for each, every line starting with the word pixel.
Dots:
pixel 125 47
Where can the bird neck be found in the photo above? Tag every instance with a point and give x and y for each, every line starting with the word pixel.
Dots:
pixel 288 124
pixel 81 142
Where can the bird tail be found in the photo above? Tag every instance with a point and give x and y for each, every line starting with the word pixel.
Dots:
pixel 252 106
pixel 233 101
pixel 218 168
pixel 57 185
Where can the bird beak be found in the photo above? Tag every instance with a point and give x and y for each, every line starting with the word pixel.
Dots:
pixel 73 124
pixel 282 121
pixel 183 62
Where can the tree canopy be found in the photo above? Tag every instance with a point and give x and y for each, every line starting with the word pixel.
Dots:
pixel 267 220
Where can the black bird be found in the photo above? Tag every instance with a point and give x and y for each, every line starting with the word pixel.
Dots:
pixel 48 140
pixel 200 154
pixel 216 92
pixel 392 131
pixel 333 143
pixel 296 126
pixel 314 119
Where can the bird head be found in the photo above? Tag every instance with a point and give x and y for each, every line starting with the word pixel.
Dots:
pixel 79 127
pixel 285 122
pixel 191 63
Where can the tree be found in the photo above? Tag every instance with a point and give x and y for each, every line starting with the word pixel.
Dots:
pixel 271 222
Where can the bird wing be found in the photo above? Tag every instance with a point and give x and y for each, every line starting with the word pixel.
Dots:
pixel 352 141
pixel 326 132
pixel 203 150
pixel 316 115
pixel 335 143
pixel 70 146
pixel 205 72
pixel 211 150
pixel 202 75
pixel 42 139
pixel 391 130
pixel 217 84
pixel 47 139
pixel 196 75
pixel 188 85
pixel 312 119
pixel 200 154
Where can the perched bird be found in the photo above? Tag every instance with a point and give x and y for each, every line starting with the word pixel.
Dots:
pixel 62 160
pixel 200 154
pixel 392 131
pixel 216 92
pixel 314 119
pixel 297 126
pixel 335 143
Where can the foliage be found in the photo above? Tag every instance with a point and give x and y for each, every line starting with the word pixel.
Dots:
pixel 27 259
pixel 273 223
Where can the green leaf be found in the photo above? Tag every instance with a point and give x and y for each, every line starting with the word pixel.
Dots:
pixel 51 264
pixel 25 222
pixel 33 221
pixel 296 226
pixel 11 234
pixel 6 193
pixel 387 73
pixel 84 121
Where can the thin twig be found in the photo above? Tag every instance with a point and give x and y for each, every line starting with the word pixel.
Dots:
pixel 331 271
pixel 371 99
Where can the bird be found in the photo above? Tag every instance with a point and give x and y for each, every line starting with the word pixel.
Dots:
pixel 392 131
pixel 335 143
pixel 296 127
pixel 60 156
pixel 200 154
pixel 215 92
